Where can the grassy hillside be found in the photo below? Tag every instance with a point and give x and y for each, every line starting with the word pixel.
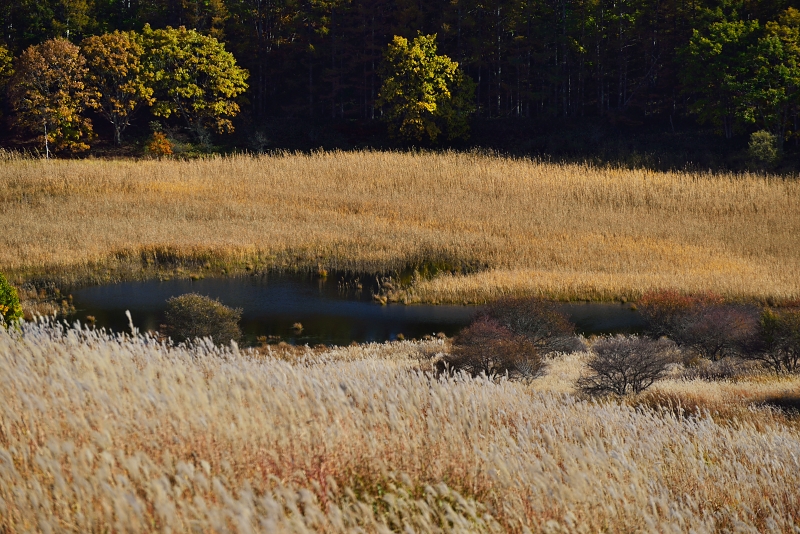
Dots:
pixel 485 226
pixel 103 433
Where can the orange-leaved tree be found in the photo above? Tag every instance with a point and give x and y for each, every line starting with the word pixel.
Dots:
pixel 48 92
pixel 119 76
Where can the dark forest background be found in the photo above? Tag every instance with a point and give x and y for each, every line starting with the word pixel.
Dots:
pixel 599 80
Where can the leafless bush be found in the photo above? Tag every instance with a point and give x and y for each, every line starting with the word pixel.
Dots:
pixel 622 365
pixel 665 311
pixel 777 344
pixel 538 321
pixel 729 368
pixel 487 347
pixel 703 324
pixel 719 331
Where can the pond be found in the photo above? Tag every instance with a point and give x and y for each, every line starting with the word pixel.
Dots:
pixel 331 312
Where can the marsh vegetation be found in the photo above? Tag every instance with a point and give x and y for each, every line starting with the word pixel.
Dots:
pixel 463 227
pixel 105 432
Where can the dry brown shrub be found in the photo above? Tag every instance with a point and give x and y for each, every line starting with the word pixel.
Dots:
pixel 703 324
pixel 193 316
pixel 538 321
pixel 488 348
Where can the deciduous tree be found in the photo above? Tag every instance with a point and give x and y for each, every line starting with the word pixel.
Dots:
pixel 120 77
pixel 424 93
pixel 49 94
pixel 6 66
pixel 10 308
pixel 773 85
pixel 718 63
pixel 6 70
pixel 195 78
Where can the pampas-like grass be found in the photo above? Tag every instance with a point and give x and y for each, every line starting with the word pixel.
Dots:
pixel 119 433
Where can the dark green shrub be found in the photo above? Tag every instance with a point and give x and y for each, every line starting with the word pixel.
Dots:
pixel 193 316
pixel 622 365
pixel 10 307
pixel 763 149
pixel 487 347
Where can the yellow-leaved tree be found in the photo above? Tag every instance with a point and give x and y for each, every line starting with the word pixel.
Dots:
pixel 49 94
pixel 120 77
pixel 195 78
pixel 6 70
pixel 423 93
pixel 6 66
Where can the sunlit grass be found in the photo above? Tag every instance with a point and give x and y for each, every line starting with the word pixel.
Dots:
pixel 111 434
pixel 508 226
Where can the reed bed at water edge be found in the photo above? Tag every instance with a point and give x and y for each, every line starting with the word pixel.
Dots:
pixel 101 433
pixel 493 225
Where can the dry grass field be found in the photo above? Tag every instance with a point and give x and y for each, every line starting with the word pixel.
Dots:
pixel 114 434
pixel 507 226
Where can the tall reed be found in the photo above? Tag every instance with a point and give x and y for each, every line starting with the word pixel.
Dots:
pixel 514 226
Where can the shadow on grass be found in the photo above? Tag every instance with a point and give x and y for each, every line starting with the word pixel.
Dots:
pixel 789 404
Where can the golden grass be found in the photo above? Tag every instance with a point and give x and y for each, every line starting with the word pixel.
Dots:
pixel 113 434
pixel 513 226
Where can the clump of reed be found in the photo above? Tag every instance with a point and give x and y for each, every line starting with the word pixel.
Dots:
pixel 498 226
pixel 104 432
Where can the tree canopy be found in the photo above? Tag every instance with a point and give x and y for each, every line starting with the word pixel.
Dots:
pixel 49 93
pixel 729 64
pixel 424 93
pixel 195 78
pixel 118 70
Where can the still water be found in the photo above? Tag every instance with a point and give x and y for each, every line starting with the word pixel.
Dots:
pixel 330 312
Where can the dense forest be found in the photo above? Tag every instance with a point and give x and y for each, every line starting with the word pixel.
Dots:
pixel 653 82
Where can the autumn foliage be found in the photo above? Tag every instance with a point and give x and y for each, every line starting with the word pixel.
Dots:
pixel 117 69
pixel 177 72
pixel 49 93
pixel 160 145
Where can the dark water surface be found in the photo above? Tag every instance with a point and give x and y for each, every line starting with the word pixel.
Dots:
pixel 329 312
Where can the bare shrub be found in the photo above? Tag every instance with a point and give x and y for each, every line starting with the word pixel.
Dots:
pixel 719 331
pixel 487 347
pixel 666 311
pixel 538 321
pixel 622 365
pixel 777 344
pixel 703 324
pixel 730 368
pixel 193 316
